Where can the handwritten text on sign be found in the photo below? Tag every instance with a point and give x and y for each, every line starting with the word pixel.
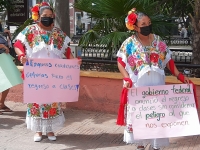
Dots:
pixel 163 111
pixel 51 80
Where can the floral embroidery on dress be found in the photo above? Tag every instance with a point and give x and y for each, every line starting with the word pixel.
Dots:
pixel 138 56
pixel 34 37
pixel 45 111
pixel 33 110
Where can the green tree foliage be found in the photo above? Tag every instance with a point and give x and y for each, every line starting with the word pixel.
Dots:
pixel 110 16
pixel 183 8
pixel 177 9
pixel 21 27
pixel 5 4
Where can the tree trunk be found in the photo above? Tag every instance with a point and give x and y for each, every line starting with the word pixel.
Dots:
pixel 62 15
pixel 196 35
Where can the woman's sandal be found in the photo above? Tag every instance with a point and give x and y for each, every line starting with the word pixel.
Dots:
pixel 5 109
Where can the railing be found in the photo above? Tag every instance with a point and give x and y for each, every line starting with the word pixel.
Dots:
pixel 174 40
pixel 98 58
pixel 181 50
pixel 97 51
pixel 182 54
pixel 178 41
pixel 111 66
pixel 179 54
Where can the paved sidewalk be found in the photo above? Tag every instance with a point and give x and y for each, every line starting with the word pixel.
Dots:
pixel 84 130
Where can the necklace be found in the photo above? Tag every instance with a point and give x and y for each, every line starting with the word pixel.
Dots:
pixel 144 46
pixel 141 40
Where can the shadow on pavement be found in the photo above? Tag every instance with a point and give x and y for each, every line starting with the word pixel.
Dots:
pixel 83 142
pixel 10 119
pixel 73 115
pixel 18 114
pixel 8 123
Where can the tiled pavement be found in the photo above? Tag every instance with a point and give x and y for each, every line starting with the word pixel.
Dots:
pixel 84 130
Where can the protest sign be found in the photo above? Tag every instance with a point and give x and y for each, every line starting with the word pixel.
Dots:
pixel 163 111
pixel 51 80
pixel 9 74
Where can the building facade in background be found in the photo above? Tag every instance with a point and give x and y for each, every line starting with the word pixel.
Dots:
pixel 80 21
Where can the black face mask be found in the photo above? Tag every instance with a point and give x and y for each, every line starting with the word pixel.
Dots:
pixel 146 30
pixel 46 21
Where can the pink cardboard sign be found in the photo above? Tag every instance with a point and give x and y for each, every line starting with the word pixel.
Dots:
pixel 163 111
pixel 51 80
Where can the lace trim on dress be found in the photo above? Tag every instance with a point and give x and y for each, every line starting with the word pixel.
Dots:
pixel 122 55
pixel 167 59
pixel 147 69
pixel 65 45
pixel 45 125
pixel 66 42
pixel 22 38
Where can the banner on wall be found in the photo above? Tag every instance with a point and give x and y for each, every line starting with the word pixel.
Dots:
pixel 51 80
pixel 163 111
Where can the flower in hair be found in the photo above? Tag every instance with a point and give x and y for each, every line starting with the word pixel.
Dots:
pixel 35 10
pixel 35 16
pixel 44 4
pixel 131 19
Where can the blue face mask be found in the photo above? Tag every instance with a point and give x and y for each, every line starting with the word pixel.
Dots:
pixel 46 21
pixel 146 30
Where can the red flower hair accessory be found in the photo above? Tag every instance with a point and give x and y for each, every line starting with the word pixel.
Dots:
pixel 44 4
pixel 131 19
pixel 35 10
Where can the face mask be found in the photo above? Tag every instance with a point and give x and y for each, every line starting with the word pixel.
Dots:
pixel 46 21
pixel 146 30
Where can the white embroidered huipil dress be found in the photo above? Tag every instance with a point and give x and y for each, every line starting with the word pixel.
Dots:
pixel 44 44
pixel 145 66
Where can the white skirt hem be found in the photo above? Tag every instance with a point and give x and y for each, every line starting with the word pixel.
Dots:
pixel 129 139
pixel 45 125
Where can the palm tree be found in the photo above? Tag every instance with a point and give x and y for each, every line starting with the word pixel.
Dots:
pixel 110 15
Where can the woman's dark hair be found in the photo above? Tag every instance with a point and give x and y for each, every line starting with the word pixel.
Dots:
pixel 42 8
pixel 140 15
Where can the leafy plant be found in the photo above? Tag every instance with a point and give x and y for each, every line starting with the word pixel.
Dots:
pixel 21 27
pixel 110 28
pixel 5 4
